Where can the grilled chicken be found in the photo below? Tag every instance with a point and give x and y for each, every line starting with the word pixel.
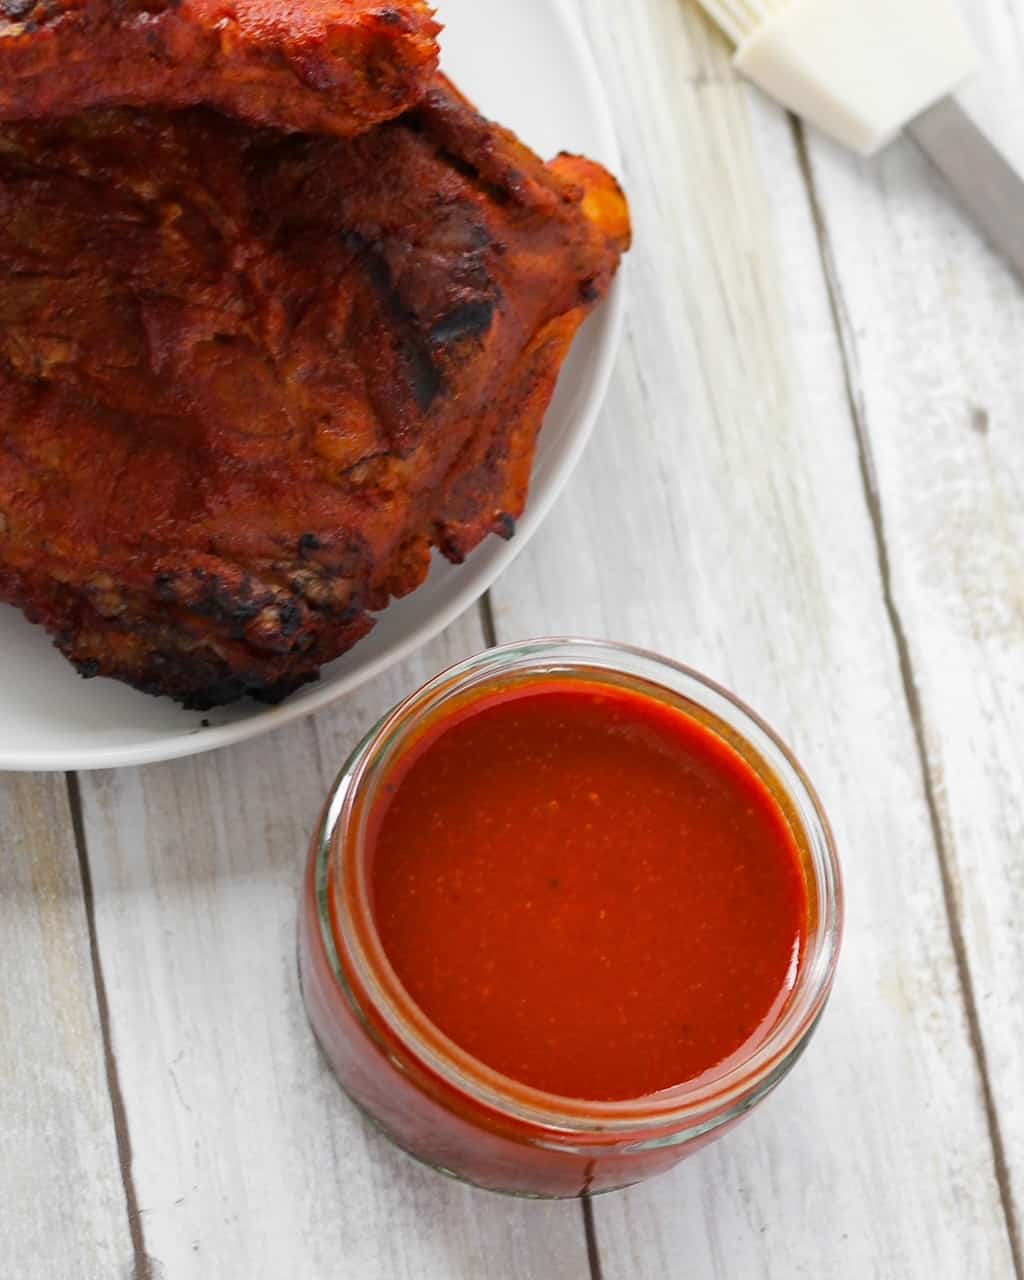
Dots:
pixel 326 66
pixel 248 380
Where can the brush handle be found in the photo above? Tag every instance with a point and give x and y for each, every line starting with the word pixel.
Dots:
pixel 984 182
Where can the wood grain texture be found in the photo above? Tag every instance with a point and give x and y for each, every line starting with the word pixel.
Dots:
pixel 721 517
pixel 249 1162
pixel 933 334
pixel 62 1206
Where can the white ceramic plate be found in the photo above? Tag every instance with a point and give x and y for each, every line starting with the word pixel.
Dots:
pixel 525 64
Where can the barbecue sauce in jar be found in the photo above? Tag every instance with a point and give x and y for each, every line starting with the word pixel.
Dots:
pixel 565 922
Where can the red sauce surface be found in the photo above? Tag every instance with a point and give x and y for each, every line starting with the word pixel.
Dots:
pixel 587 889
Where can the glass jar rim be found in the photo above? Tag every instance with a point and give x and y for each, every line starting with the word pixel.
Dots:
pixel 347 925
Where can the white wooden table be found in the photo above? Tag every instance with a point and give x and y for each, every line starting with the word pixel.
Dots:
pixel 808 481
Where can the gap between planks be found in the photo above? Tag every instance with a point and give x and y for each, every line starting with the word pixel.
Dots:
pixel 487 620
pixel 590 1232
pixel 911 693
pixel 141 1269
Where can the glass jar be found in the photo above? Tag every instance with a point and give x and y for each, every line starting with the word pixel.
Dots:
pixel 449 1109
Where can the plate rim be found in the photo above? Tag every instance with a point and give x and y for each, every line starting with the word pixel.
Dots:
pixel 477 580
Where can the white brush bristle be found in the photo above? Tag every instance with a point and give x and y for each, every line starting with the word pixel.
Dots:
pixel 858 69
pixel 741 18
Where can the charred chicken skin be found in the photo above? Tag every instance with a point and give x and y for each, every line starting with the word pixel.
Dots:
pixel 249 379
pixel 324 66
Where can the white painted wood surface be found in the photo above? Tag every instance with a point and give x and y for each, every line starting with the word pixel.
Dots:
pixel 933 337
pixel 809 482
pixel 63 1213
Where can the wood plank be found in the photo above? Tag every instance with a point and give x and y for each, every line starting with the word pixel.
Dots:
pixel 933 329
pixel 62 1204
pixel 248 1160
pixel 720 516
